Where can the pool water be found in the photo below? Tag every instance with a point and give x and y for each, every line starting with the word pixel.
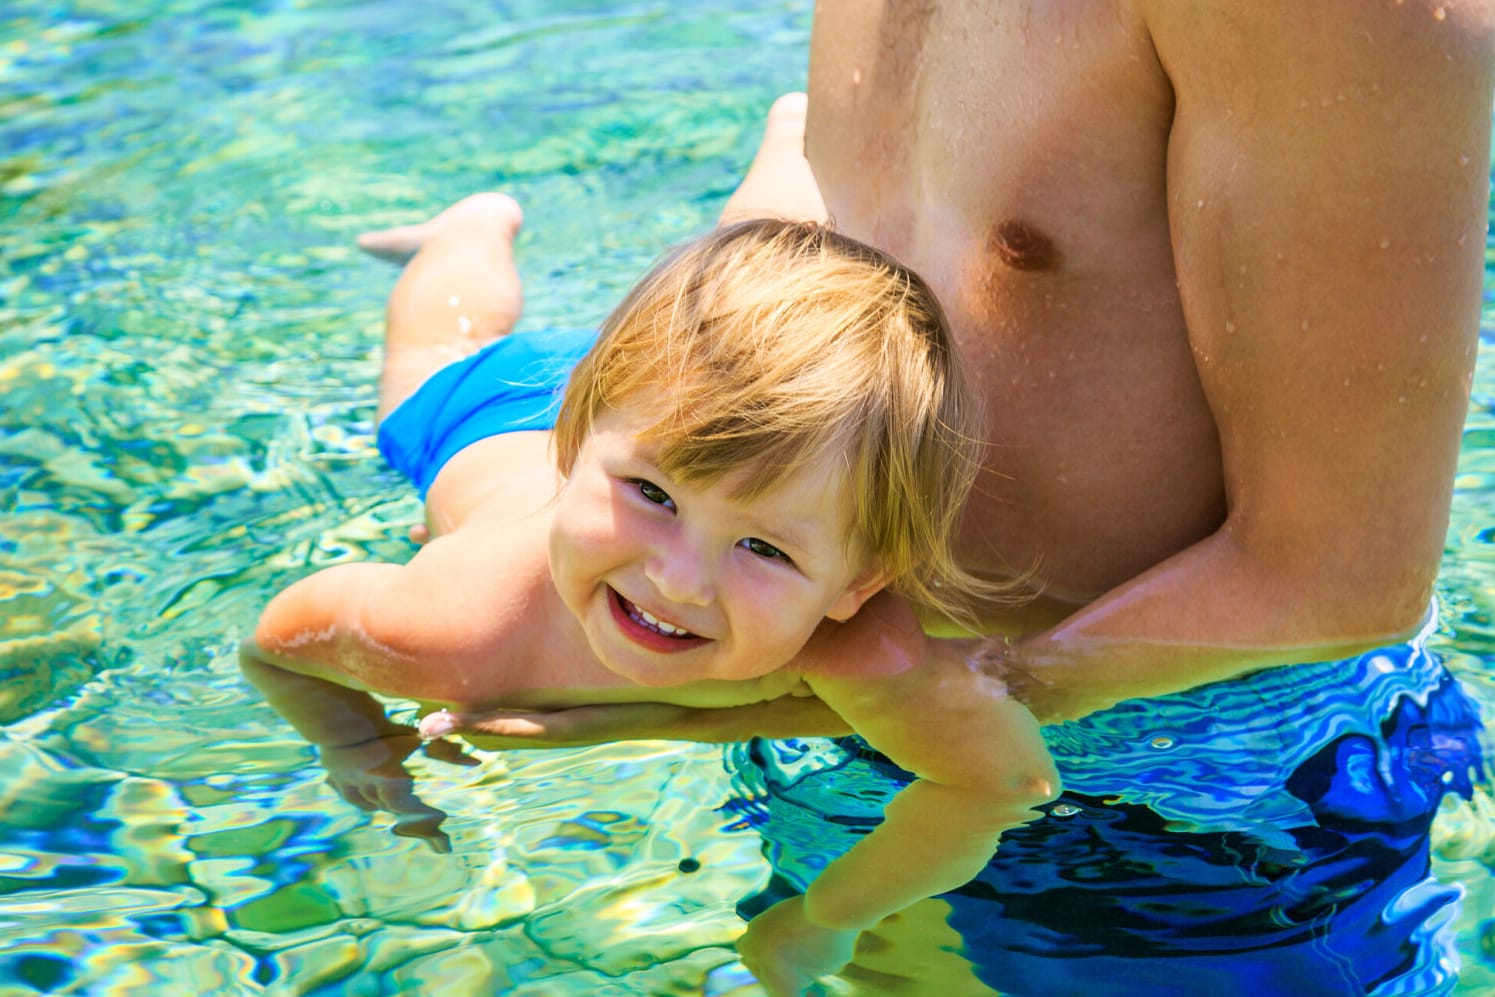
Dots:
pixel 188 342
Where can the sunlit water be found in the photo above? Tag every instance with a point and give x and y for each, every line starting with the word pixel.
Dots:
pixel 187 347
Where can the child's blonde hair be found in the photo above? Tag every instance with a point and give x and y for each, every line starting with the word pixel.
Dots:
pixel 768 344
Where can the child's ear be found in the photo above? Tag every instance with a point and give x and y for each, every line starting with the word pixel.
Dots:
pixel 862 588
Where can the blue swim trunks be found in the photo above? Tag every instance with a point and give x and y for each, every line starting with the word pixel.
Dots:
pixel 512 384
pixel 1262 836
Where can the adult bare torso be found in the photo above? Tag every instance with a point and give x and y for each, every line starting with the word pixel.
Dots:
pixel 1014 153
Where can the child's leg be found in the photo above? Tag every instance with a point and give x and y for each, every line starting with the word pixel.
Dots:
pixel 779 183
pixel 459 291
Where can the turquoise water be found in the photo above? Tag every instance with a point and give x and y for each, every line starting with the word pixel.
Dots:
pixel 187 344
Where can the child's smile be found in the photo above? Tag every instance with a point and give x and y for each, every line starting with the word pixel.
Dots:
pixel 648 629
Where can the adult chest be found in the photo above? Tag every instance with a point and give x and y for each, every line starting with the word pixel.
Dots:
pixel 1015 154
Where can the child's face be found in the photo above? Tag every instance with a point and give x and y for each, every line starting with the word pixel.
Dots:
pixel 675 582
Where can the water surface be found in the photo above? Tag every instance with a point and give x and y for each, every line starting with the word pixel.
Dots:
pixel 187 347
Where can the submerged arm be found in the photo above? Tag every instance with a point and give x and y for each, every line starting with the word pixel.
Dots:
pixel 314 662
pixel 323 645
pixel 981 768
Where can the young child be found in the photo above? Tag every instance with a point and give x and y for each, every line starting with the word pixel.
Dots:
pixel 769 430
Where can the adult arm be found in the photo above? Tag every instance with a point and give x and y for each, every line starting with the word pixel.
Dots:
pixel 787 716
pixel 1328 172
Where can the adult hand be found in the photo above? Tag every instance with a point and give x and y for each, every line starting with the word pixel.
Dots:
pixel 787 952
pixel 496 730
pixel 372 776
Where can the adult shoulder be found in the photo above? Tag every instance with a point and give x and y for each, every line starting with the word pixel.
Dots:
pixel 1202 32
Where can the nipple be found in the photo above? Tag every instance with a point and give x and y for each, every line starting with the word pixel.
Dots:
pixel 1022 247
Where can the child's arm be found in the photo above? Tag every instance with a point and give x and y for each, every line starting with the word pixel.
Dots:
pixel 442 628
pixel 362 751
pixel 303 660
pixel 982 768
pixel 425 631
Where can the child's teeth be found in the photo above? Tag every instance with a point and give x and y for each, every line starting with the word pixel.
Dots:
pixel 659 624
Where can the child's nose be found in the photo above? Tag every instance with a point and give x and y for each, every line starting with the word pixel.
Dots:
pixel 680 574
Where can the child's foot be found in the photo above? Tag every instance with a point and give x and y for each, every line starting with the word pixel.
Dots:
pixel 486 215
pixel 779 183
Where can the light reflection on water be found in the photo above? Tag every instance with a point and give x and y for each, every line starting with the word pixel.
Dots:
pixel 187 344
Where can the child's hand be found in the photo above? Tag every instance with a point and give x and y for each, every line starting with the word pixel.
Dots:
pixel 787 952
pixel 372 776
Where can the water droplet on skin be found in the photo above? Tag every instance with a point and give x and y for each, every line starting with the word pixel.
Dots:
pixel 454 301
pixel 1439 13
pixel 1463 160
pixel 1229 326
pixel 1304 326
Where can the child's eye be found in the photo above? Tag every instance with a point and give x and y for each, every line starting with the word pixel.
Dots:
pixel 654 493
pixel 764 549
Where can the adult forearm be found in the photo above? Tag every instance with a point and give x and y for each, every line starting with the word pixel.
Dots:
pixel 585 725
pixel 1212 612
pixel 787 716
